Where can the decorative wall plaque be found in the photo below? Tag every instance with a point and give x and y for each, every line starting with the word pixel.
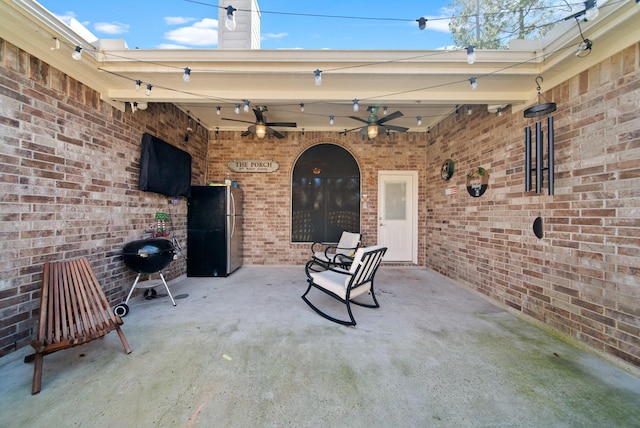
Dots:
pixel 477 182
pixel 248 165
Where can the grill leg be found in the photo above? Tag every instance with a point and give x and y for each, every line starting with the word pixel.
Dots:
pixel 167 288
pixel 133 288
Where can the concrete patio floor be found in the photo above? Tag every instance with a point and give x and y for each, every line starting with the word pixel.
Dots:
pixel 246 351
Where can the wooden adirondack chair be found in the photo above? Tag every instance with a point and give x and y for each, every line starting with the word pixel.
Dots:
pixel 73 311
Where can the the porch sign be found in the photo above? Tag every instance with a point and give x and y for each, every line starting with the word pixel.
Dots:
pixel 248 165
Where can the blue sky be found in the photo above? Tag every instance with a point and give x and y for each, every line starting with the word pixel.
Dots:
pixel 193 25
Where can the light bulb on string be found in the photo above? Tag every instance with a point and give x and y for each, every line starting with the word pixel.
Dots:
pixel 356 106
pixel 186 77
pixel 419 120
pixel 230 22
pixel 385 110
pixel 148 90
pixel 302 107
pixel 318 77
pixel 246 106
pixel 471 54
pixel 422 23
pixel 236 110
pixel 218 108
pixel 474 83
pixel 138 84
pixel 331 120
pixel 591 10
pixel 77 53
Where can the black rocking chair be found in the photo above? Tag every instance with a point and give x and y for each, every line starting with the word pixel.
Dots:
pixel 345 285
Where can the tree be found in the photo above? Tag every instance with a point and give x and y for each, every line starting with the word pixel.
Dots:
pixel 490 24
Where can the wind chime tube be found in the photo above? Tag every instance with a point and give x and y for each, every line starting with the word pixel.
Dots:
pixel 527 159
pixel 550 142
pixel 539 155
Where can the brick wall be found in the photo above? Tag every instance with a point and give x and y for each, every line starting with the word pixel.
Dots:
pixel 69 184
pixel 583 278
pixel 267 196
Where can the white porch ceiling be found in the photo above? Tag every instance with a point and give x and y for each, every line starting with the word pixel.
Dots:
pixel 430 84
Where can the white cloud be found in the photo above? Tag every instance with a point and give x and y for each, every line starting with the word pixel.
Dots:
pixel 177 20
pixel 437 23
pixel 201 33
pixel 111 27
pixel 273 36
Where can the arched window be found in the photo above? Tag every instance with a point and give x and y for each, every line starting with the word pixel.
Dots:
pixel 325 189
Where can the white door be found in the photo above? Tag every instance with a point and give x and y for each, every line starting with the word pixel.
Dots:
pixel 398 215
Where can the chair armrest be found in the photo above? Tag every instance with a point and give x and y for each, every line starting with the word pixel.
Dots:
pixel 313 245
pixel 315 265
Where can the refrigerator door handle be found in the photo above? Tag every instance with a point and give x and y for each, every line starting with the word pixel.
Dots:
pixel 232 213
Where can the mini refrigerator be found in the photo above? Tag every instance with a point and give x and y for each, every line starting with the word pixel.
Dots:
pixel 214 230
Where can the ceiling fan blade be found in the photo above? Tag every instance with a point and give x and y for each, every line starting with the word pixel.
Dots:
pixel 396 128
pixel 389 117
pixel 237 120
pixel 359 119
pixel 274 132
pixel 245 133
pixel 353 129
pixel 283 124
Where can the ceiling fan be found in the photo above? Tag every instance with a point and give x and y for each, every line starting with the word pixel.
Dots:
pixel 373 124
pixel 261 127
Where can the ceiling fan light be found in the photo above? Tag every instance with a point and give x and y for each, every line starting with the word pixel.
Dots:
pixel 372 131
pixel 261 130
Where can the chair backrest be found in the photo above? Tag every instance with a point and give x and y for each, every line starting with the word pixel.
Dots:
pixel 365 264
pixel 348 241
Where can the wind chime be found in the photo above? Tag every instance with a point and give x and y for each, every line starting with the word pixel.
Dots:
pixel 539 110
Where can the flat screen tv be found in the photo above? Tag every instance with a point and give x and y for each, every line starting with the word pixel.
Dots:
pixel 164 169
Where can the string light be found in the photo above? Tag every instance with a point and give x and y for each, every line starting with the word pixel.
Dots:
pixel 471 54
pixel 187 75
pixel 422 23
pixel 591 10
pixel 385 110
pixel 302 107
pixel 246 106
pixel 218 108
pixel 474 83
pixel 419 119
pixel 138 84
pixel 331 120
pixel 148 90
pixel 318 77
pixel 499 111
pixel 237 109
pixel 469 110
pixel 230 22
pixel 77 54
pixel 356 107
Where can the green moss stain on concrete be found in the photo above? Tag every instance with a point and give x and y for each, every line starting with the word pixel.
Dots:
pixel 555 376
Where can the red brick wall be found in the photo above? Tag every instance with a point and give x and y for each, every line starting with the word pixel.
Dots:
pixel 267 196
pixel 69 184
pixel 583 278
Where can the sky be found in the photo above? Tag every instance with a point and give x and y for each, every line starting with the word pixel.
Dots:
pixel 285 24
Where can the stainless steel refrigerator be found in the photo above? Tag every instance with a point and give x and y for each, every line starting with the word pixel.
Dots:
pixel 214 230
